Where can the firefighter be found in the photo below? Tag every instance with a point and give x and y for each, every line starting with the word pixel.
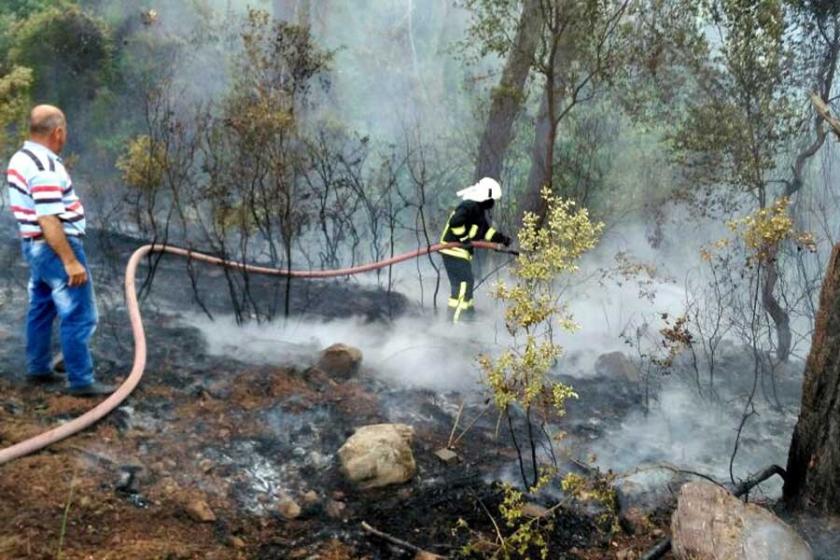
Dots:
pixel 470 221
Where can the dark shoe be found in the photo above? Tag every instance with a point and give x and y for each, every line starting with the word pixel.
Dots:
pixel 57 364
pixel 44 378
pixel 95 389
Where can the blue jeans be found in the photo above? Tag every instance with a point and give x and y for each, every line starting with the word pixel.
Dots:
pixel 50 296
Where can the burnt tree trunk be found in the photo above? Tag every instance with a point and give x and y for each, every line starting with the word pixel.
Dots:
pixel 548 118
pixel 813 470
pixel 546 125
pixel 507 98
pixel 780 317
pixel 824 85
pixel 542 156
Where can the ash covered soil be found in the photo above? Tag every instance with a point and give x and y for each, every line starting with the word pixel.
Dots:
pixel 215 457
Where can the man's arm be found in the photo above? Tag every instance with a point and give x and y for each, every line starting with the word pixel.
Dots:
pixel 486 232
pixel 57 240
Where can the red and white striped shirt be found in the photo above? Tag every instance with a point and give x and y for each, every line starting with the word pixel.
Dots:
pixel 39 185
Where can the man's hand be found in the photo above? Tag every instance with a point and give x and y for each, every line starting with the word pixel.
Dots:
pixel 57 240
pixel 505 240
pixel 76 273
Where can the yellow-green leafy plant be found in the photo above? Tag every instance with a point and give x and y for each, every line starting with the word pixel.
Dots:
pixel 520 533
pixel 14 104
pixel 764 230
pixel 598 489
pixel 520 376
pixel 143 163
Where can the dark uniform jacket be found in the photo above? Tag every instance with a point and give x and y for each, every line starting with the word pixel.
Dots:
pixel 469 222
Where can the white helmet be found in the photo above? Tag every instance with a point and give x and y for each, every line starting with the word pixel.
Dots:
pixel 485 189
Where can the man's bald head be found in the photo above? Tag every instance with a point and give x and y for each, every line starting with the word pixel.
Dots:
pixel 44 119
pixel 47 126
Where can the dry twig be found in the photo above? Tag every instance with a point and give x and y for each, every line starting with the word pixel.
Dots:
pixel 398 542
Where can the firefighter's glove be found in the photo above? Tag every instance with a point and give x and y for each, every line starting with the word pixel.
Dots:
pixel 505 240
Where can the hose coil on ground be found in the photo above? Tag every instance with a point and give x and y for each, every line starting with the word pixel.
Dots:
pixel 101 410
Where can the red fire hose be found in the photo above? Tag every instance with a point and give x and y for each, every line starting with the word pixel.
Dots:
pixel 113 401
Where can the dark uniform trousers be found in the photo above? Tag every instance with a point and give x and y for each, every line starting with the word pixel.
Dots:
pixel 461 283
pixel 468 222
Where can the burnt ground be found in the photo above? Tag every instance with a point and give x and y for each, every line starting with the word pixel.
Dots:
pixel 245 440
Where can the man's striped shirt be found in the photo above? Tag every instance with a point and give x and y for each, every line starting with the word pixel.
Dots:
pixel 39 185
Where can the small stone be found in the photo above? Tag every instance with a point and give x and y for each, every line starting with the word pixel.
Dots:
pixel 424 555
pixel 199 511
pixel 626 554
pixel 316 459
pixel 447 456
pixel 534 511
pixel 338 495
pixel 335 509
pixel 236 542
pixel 310 497
pixel 168 485
pixel 206 465
pixel 127 481
pixel 634 521
pixel 289 509
pixel 340 361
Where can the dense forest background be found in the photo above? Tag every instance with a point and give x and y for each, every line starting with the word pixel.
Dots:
pixel 311 134
pixel 318 134
pixel 388 110
pixel 315 134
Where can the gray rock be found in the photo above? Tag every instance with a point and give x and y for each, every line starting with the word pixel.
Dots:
pixel 199 511
pixel 711 524
pixel 340 361
pixel 289 508
pixel 617 365
pixel 447 456
pixel 378 455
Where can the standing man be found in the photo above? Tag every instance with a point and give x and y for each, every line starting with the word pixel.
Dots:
pixel 469 222
pixel 51 222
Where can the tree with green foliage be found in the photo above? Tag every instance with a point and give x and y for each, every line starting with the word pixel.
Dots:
pixel 748 112
pixel 744 119
pixel 583 48
pixel 14 108
pixel 521 376
pixel 69 50
pixel 232 172
pixel 490 28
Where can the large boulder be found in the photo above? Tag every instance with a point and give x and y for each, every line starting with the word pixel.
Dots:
pixel 616 365
pixel 711 524
pixel 378 455
pixel 340 361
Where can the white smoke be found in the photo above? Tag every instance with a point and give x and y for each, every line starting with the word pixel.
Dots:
pixel 420 352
